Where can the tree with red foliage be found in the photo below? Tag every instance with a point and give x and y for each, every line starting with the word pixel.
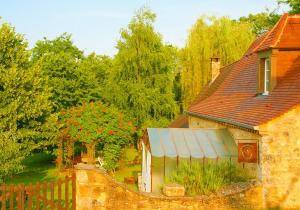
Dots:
pixel 93 124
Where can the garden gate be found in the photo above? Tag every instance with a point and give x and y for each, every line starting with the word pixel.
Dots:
pixel 60 194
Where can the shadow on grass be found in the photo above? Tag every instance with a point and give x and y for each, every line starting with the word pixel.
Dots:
pixel 39 167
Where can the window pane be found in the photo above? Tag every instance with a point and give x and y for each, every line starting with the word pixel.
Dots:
pixel 267 75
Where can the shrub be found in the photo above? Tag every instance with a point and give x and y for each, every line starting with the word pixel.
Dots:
pixel 203 179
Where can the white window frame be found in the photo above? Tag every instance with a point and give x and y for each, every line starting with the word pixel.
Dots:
pixel 267 77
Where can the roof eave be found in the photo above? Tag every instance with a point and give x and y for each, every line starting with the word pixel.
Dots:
pixel 242 125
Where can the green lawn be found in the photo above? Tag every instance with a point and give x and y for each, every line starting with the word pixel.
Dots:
pixel 39 167
pixel 127 169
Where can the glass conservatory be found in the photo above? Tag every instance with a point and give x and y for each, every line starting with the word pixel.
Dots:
pixel 166 148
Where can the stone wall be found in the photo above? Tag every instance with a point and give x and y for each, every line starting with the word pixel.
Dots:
pixel 96 190
pixel 280 160
pixel 279 157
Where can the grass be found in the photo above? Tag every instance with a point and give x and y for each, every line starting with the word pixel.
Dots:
pixel 127 168
pixel 39 167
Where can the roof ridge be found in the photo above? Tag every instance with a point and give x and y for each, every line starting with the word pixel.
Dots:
pixel 283 18
pixel 286 17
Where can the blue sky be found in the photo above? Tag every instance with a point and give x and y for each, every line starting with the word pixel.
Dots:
pixel 95 24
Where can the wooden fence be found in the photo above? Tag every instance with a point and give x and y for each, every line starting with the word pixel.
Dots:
pixel 60 194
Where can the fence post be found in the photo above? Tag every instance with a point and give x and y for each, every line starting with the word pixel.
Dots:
pixel 37 202
pixel 29 192
pixel 21 196
pixel 67 192
pixel 3 196
pixel 11 197
pixel 52 195
pixel 44 189
pixel 59 193
pixel 73 191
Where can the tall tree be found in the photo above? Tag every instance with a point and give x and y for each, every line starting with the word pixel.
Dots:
pixel 24 104
pixel 261 22
pixel 142 82
pixel 60 61
pixel 12 47
pixel 211 37
pixel 293 4
pixel 98 67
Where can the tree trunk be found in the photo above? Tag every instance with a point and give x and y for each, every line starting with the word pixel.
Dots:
pixel 90 153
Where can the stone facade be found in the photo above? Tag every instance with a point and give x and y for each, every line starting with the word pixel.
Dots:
pixel 280 160
pixel 96 190
pixel 279 156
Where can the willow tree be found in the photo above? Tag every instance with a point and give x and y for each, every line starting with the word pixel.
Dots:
pixel 142 83
pixel 211 37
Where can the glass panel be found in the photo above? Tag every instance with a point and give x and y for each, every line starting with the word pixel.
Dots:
pixel 217 143
pixel 157 174
pixel 229 142
pixel 191 142
pixel 205 145
pixel 197 160
pixel 183 161
pixel 155 142
pixel 170 165
pixel 179 142
pixel 267 75
pixel 167 143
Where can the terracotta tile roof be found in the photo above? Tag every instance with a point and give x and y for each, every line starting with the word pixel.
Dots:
pixel 233 99
pixel 180 122
pixel 285 34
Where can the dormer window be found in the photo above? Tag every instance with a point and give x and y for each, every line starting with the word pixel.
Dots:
pixel 266 72
pixel 267 76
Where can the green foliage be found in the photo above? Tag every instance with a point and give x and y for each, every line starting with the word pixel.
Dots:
pixel 199 179
pixel 142 81
pixel 24 103
pixel 73 78
pixel 62 43
pixel 111 155
pixel 12 47
pixel 97 69
pixel 37 167
pixel 10 157
pixel 261 22
pixel 211 37
pixel 294 5
pixel 98 123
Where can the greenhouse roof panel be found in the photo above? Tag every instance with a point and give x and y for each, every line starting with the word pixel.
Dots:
pixel 205 144
pixel 180 144
pixel 155 143
pixel 191 141
pixel 167 142
pixel 195 143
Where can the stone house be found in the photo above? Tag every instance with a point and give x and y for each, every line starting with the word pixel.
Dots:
pixel 257 98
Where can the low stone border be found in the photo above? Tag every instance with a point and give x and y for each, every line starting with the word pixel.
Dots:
pixel 98 190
